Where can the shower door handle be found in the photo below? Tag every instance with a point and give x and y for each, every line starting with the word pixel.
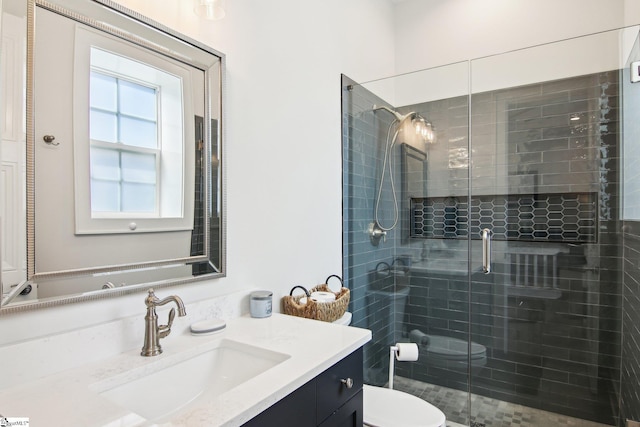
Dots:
pixel 486 250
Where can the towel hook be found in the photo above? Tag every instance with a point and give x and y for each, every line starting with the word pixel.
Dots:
pixel 49 139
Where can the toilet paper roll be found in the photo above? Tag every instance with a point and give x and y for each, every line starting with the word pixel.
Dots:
pixel 320 297
pixel 323 296
pixel 407 352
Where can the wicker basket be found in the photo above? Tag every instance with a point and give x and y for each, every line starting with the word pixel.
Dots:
pixel 324 311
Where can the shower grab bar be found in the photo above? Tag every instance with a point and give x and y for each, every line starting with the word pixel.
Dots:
pixel 486 250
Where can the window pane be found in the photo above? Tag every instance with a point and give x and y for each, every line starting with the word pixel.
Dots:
pixel 105 164
pixel 138 197
pixel 103 92
pixel 103 126
pixel 137 167
pixel 105 196
pixel 138 133
pixel 137 100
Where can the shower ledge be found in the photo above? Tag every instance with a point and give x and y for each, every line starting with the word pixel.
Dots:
pixel 446 266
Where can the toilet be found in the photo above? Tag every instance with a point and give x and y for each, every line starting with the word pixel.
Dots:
pixel 384 407
pixel 344 320
pixel 449 352
pixel 454 353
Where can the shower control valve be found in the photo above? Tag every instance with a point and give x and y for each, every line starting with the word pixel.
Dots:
pixel 376 233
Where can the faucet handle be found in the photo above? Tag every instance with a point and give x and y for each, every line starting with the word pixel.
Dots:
pixel 151 300
pixel 164 330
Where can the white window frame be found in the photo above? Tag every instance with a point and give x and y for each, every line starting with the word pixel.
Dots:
pixel 176 140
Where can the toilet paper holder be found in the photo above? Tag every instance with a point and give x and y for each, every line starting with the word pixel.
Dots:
pixel 404 352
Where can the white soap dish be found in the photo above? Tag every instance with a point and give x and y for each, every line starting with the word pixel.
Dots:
pixel 208 327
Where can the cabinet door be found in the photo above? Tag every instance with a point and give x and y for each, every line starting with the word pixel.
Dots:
pixel 349 415
pixel 332 392
pixel 296 410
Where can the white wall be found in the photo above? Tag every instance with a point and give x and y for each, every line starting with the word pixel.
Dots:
pixel 283 157
pixel 431 33
pixel 436 32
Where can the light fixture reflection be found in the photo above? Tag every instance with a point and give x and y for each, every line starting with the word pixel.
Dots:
pixel 210 9
pixel 423 128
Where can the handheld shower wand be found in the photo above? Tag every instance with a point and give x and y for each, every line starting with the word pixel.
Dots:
pixel 424 130
pixel 376 229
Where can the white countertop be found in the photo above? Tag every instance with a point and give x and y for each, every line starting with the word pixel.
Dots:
pixel 66 398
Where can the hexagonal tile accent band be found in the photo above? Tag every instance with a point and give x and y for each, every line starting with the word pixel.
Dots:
pixel 558 217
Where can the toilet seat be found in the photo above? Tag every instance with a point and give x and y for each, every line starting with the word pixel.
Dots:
pixel 454 349
pixel 385 407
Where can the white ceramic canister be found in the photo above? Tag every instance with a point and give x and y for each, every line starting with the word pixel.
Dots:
pixel 260 304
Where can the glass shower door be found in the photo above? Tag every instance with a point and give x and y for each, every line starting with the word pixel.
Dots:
pixel 545 271
pixel 409 282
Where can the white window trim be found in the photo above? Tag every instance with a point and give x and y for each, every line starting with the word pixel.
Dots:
pixel 177 141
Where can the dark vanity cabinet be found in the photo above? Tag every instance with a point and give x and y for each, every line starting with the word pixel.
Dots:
pixel 339 393
pixel 332 399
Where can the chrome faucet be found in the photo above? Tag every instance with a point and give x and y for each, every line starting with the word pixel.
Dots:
pixel 153 332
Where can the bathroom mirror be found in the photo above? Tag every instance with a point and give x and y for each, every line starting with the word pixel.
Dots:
pixel 111 154
pixel 413 182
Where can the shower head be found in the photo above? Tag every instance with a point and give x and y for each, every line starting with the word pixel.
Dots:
pixel 399 117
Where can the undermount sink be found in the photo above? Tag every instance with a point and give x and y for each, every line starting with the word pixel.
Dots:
pixel 157 395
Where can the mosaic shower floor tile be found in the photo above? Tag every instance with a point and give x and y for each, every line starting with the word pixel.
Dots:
pixel 487 412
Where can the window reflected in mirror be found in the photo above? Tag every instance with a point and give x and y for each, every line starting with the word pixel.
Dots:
pixel 135 137
pixel 124 148
pixel 130 143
